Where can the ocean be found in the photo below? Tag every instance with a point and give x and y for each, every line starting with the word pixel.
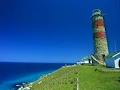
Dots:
pixel 18 73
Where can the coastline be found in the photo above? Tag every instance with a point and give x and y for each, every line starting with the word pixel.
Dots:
pixel 28 86
pixel 15 73
pixel 38 81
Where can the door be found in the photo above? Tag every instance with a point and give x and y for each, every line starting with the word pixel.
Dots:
pixel 119 63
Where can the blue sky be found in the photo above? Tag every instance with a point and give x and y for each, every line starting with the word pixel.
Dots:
pixel 53 30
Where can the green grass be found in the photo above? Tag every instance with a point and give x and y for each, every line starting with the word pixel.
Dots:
pixel 90 78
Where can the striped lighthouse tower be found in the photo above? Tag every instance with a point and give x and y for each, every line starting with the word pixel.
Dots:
pixel 100 40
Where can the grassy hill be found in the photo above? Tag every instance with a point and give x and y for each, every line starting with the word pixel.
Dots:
pixel 89 78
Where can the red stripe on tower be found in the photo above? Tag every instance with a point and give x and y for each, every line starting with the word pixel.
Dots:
pixel 99 23
pixel 100 35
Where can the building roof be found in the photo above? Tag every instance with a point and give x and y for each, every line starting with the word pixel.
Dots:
pixel 113 56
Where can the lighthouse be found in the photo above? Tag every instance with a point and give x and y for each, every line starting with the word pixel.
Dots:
pixel 99 36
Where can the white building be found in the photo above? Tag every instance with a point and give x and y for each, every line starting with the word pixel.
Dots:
pixel 85 60
pixel 113 61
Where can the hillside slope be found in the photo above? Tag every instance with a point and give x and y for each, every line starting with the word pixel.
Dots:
pixel 89 78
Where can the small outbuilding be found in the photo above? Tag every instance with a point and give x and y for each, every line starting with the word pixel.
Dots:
pixel 85 60
pixel 113 60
